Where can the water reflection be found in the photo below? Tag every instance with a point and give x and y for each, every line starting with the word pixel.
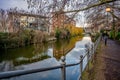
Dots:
pixel 47 55
pixel 35 53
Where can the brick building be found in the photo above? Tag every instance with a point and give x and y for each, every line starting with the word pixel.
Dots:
pixel 61 21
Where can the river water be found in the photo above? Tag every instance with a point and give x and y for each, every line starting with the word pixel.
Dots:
pixel 43 56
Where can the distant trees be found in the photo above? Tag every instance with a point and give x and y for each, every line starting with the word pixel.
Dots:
pixel 98 17
pixel 3 20
pixel 68 32
pixel 94 10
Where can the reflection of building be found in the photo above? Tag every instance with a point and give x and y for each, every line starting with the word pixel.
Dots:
pixel 58 54
pixel 62 52
pixel 19 21
pixel 61 20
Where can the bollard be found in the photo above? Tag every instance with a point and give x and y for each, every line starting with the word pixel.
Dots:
pixel 63 68
pixel 81 66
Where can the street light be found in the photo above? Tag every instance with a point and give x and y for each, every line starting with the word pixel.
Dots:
pixel 108 9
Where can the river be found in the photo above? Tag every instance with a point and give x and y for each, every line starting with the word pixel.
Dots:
pixel 42 56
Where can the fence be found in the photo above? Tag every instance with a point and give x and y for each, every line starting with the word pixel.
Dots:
pixel 63 66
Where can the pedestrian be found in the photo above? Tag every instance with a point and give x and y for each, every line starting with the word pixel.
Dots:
pixel 105 38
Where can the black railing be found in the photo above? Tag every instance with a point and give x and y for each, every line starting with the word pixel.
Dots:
pixel 63 66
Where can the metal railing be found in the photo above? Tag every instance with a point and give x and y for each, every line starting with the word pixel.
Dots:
pixel 97 42
pixel 63 66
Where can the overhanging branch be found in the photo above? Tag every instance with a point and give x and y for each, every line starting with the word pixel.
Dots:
pixel 114 16
pixel 91 6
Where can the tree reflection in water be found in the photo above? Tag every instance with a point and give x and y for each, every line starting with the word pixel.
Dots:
pixel 37 52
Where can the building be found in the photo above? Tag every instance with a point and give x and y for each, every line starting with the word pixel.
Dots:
pixel 61 21
pixel 17 21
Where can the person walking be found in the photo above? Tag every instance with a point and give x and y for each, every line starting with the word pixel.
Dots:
pixel 105 39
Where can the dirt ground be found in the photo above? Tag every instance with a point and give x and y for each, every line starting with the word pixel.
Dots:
pixel 107 62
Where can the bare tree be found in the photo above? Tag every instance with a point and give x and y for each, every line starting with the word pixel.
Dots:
pixel 3 19
pixel 72 7
pixel 93 9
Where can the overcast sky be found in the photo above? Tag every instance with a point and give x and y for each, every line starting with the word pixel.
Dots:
pixel 21 4
pixel 6 4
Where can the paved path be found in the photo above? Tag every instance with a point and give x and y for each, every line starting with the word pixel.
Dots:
pixel 107 64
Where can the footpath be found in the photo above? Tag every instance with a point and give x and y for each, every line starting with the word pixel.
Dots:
pixel 106 63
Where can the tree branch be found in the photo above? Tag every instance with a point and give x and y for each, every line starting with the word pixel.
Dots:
pixel 114 15
pixel 91 6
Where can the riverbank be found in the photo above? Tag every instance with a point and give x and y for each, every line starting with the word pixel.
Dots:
pixel 27 37
pixel 105 64
pixel 23 38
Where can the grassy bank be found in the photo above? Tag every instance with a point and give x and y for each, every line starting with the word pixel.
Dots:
pixel 90 71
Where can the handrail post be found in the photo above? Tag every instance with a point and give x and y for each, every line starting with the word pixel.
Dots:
pixel 88 57
pixel 88 54
pixel 92 52
pixel 81 65
pixel 92 49
pixel 63 68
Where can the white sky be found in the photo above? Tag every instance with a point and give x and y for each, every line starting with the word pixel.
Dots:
pixel 6 4
pixel 21 4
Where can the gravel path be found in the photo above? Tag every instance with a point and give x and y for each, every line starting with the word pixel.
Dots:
pixel 107 64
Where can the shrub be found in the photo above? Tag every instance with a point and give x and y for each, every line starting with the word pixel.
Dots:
pixel 13 40
pixel 57 33
pixel 95 36
pixel 118 36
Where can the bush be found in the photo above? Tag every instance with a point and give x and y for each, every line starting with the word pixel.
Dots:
pixel 40 37
pixel 118 36
pixel 57 33
pixel 45 37
pixel 95 36
pixel 13 40
pixel 111 35
pixel 63 33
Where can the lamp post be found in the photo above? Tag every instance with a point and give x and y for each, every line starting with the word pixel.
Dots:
pixel 108 9
pixel 113 24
